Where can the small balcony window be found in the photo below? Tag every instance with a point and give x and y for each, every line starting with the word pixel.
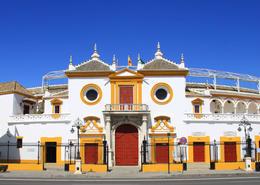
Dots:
pixel 57 109
pixel 197 109
pixel 26 109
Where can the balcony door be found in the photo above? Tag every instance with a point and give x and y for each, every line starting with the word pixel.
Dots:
pixel 126 97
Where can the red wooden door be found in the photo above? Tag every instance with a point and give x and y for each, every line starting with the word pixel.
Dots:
pixel 126 97
pixel 199 152
pixel 91 153
pixel 126 144
pixel 230 151
pixel 161 153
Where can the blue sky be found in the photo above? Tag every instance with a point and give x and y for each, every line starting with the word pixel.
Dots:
pixel 39 36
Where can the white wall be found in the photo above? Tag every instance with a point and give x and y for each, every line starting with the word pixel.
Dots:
pixel 6 110
pixel 175 108
pixel 78 108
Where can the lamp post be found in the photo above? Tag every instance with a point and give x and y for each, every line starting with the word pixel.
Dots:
pixel 246 125
pixel 168 135
pixel 77 124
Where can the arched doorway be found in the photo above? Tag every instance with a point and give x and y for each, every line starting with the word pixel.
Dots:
pixel 126 145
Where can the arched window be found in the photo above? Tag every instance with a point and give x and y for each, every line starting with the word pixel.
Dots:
pixel 215 106
pixel 252 108
pixel 241 108
pixel 229 107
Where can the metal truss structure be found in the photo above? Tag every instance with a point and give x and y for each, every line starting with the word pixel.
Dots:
pixel 214 74
pixel 193 72
pixel 53 75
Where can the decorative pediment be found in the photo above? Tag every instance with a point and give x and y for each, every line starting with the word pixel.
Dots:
pixel 197 101
pixel 56 101
pixel 162 125
pixel 125 73
pixel 92 125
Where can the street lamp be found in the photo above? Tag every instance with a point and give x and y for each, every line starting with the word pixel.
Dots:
pixel 246 125
pixel 77 124
pixel 169 135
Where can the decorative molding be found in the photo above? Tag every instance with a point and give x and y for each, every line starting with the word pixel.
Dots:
pixel 162 85
pixel 162 125
pixel 83 94
pixel 92 125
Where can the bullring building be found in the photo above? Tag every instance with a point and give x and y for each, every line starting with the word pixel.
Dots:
pixel 151 115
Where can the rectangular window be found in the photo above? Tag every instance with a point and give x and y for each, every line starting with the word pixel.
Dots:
pixel 19 142
pixel 57 109
pixel 197 109
pixel 26 109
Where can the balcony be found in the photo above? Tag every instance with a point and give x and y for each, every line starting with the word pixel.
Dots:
pixel 221 118
pixel 126 108
pixel 39 118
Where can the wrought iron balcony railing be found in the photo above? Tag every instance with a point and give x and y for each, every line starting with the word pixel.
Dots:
pixel 126 107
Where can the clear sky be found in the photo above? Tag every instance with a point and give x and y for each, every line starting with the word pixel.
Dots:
pixel 38 36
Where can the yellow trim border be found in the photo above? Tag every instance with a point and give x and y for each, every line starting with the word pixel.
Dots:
pixel 224 139
pixel 58 141
pixel 206 140
pixel 83 90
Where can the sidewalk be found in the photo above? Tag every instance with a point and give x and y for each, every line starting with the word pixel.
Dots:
pixel 124 174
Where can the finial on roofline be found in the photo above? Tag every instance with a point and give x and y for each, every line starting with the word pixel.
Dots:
pixel 182 64
pixel 138 57
pixel 71 59
pixel 71 67
pixel 114 59
pixel 95 54
pixel 158 54
pixel 182 58
pixel 114 64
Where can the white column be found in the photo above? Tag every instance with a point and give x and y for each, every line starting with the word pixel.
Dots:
pixel 108 138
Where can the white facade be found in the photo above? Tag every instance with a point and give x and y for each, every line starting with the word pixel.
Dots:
pixel 220 111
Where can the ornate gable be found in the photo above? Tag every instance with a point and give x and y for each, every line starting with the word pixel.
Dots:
pixel 126 73
pixel 92 125
pixel 162 125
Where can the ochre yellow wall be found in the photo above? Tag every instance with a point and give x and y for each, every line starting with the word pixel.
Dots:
pixel 257 139
pixel 90 168
pixel 58 140
pixel 229 139
pixel 206 140
pixel 162 167
pixel 230 166
pixel 19 166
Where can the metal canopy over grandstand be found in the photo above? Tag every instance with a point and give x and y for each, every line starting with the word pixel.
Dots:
pixel 193 72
